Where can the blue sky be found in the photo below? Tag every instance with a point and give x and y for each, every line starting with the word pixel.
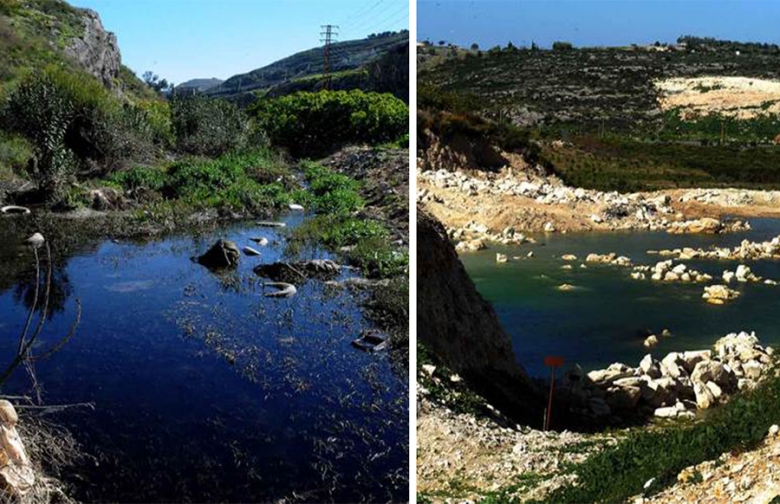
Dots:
pixel 185 39
pixel 595 22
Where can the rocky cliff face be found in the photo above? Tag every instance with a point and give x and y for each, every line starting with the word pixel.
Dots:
pixel 460 328
pixel 97 50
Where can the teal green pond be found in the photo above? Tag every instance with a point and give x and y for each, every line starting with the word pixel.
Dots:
pixel 607 315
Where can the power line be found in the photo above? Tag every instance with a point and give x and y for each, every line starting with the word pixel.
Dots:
pixel 370 25
pixel 361 11
pixel 362 18
pixel 384 22
pixel 366 12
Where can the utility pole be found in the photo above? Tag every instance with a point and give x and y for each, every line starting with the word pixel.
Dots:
pixel 327 37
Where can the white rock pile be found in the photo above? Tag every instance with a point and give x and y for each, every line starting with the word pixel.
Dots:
pixel 746 250
pixel 611 258
pixel 719 294
pixel 676 386
pixel 474 236
pixel 668 271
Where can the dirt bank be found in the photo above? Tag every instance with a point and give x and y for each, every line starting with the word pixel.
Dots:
pixel 461 457
pixel 519 198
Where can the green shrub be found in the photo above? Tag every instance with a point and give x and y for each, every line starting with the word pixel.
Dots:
pixel 333 193
pixel 312 124
pixel 74 123
pixel 158 117
pixel 208 127
pixel 248 181
pixel 352 231
pixel 140 177
pixel 15 152
pixel 378 259
pixel 43 110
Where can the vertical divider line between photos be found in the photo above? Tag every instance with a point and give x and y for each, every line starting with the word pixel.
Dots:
pixel 413 251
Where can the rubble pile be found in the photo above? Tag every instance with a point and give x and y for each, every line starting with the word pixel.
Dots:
pixel 677 386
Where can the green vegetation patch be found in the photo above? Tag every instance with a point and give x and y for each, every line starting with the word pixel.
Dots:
pixel 366 243
pixel 251 182
pixel 616 474
pixel 623 164
pixel 718 128
pixel 458 397
pixel 208 127
pixel 74 125
pixel 313 124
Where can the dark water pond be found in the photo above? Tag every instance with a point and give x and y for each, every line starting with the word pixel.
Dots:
pixel 605 318
pixel 206 390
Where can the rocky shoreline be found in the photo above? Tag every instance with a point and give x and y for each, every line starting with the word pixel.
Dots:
pixel 602 210
pixel 677 386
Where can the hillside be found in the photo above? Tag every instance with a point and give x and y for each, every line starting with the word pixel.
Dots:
pixel 37 33
pixel 351 63
pixel 605 89
pixel 200 85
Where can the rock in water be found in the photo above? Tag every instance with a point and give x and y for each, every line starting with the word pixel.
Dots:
pixel 271 224
pixel 251 252
pixel 370 340
pixel 260 241
pixel 223 254
pixel 296 207
pixel 284 289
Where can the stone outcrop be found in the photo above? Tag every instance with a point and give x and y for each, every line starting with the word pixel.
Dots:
pixel 746 250
pixel 459 327
pixel 96 50
pixel 719 294
pixel 633 211
pixel 223 254
pixel 667 271
pixel 674 387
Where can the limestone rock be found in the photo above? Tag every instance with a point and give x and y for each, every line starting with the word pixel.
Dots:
pixel 223 254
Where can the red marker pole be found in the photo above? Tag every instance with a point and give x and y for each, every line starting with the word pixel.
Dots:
pixel 552 362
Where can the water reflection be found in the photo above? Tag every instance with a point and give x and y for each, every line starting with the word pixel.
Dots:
pixel 43 293
pixel 206 390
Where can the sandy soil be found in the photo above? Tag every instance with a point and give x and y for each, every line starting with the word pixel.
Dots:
pixel 739 97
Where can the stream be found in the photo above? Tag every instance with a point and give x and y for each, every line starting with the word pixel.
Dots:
pixel 204 389
pixel 607 315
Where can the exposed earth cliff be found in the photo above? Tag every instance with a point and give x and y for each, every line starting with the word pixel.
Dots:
pixel 458 326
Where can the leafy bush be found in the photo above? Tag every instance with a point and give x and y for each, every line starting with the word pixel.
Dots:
pixel 208 127
pixel 74 123
pixel 378 259
pixel 562 46
pixel 158 117
pixel 314 123
pixel 248 182
pixel 352 231
pixel 140 177
pixel 333 193
pixel 15 152
pixel 42 110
